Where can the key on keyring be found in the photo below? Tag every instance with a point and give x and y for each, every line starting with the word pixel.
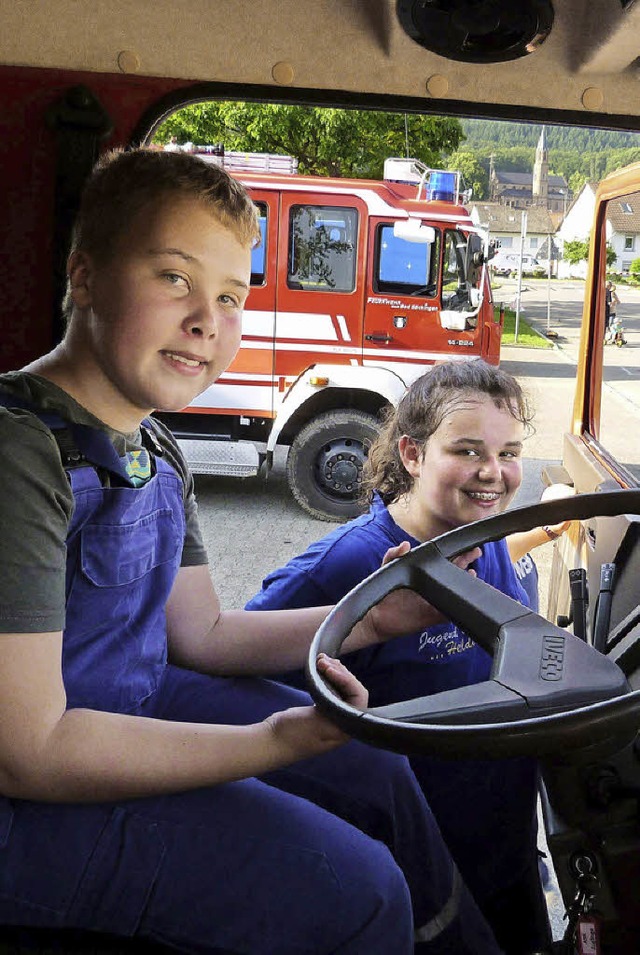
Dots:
pixel 588 935
pixel 583 928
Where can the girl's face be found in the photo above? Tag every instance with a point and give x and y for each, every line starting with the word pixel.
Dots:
pixel 470 468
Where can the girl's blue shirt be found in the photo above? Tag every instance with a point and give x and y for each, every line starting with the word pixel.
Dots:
pixel 438 658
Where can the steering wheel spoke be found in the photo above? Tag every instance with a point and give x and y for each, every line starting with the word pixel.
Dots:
pixel 470 603
pixel 486 702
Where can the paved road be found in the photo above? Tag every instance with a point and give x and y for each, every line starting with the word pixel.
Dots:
pixel 560 314
pixel 621 393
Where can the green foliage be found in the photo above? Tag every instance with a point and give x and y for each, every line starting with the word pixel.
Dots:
pixel 506 158
pixel 575 250
pixel 527 335
pixel 634 269
pixel 475 175
pixel 576 181
pixel 326 142
pixel 578 139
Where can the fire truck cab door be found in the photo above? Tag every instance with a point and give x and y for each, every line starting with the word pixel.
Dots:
pixel 409 279
pixel 320 289
pixel 401 311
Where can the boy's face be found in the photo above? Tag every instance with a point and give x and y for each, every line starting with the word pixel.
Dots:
pixel 163 316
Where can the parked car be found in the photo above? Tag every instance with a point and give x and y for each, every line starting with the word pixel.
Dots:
pixel 507 263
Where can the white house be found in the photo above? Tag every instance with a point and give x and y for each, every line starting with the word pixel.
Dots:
pixel 623 229
pixel 504 224
pixel 576 225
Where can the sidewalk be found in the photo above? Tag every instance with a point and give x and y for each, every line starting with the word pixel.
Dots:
pixel 548 376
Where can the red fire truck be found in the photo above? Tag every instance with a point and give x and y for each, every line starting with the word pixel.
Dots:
pixel 356 287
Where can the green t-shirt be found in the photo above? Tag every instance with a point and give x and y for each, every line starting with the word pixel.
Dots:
pixel 36 503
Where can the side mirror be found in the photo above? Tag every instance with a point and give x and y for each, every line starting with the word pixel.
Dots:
pixel 413 230
pixel 475 258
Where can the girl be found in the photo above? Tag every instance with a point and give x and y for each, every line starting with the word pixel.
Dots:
pixel 449 454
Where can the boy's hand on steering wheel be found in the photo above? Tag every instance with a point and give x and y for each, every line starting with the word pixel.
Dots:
pixel 303 730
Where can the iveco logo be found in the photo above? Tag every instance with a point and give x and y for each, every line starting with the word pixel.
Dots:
pixel 552 659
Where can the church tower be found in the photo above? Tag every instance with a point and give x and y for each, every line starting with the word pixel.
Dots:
pixel 492 177
pixel 540 190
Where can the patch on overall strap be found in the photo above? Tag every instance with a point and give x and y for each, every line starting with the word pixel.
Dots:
pixel 137 464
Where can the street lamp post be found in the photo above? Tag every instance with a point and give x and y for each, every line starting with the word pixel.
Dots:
pixel 523 232
pixel 549 253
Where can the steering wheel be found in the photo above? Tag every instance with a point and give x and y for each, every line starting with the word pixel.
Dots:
pixel 549 691
pixel 424 290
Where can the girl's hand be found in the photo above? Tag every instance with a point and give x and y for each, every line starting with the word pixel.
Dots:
pixel 463 560
pixel 553 493
pixel 558 529
pixel 404 611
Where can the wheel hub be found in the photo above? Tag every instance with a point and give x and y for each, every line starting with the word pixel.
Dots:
pixel 340 466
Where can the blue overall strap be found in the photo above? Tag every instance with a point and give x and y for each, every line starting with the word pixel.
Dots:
pixel 88 445
pixel 97 448
pixel 50 418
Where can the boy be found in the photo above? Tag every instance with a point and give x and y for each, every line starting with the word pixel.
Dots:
pixel 128 754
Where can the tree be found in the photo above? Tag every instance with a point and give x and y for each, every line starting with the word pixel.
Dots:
pixel 577 181
pixel 474 173
pixel 326 142
pixel 634 270
pixel 575 250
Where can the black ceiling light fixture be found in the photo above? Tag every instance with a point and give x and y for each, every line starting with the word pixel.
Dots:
pixel 477 31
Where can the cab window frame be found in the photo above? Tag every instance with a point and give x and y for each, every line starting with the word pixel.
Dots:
pixel 322 248
pixel 390 287
pixel 259 252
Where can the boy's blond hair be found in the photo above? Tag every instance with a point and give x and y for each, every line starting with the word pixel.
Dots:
pixel 124 182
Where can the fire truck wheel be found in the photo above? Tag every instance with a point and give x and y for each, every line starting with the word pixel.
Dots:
pixel 324 466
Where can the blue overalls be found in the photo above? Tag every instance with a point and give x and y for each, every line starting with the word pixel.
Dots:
pixel 336 854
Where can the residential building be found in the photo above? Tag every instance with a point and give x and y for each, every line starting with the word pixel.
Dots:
pixel 504 224
pixel 623 229
pixel 576 226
